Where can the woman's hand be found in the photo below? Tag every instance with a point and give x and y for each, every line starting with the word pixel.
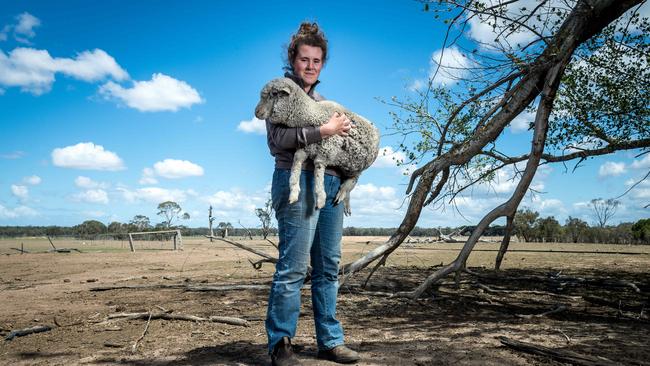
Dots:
pixel 338 124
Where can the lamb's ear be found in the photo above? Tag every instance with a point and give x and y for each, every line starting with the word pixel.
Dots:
pixel 284 90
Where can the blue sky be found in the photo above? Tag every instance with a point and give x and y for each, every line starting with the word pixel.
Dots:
pixel 109 108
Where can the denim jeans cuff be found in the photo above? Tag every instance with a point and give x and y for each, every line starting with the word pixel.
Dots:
pixel 329 347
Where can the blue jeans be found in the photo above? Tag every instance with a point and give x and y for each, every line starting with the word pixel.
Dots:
pixel 305 232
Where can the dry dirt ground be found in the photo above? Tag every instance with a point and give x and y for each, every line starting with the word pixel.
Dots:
pixel 601 298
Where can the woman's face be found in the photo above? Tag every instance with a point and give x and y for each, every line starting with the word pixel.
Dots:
pixel 308 63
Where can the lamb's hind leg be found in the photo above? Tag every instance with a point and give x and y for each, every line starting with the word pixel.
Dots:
pixel 319 181
pixel 294 179
pixel 344 194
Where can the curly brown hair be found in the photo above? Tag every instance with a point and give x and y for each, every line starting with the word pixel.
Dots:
pixel 308 34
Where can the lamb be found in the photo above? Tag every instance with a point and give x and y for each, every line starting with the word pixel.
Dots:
pixel 282 101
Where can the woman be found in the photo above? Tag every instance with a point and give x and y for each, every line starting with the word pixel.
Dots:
pixel 307 235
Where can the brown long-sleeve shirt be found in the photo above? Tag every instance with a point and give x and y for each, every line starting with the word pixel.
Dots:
pixel 284 141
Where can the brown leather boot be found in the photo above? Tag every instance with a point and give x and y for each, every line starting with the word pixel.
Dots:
pixel 283 355
pixel 339 354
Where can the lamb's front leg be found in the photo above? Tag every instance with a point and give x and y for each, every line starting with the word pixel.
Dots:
pixel 299 157
pixel 319 181
pixel 344 194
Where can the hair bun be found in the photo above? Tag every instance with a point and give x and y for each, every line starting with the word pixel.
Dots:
pixel 307 28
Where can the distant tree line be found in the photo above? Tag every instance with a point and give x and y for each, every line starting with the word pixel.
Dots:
pixel 528 227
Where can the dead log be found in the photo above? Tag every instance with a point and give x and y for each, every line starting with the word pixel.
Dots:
pixel 64 250
pixel 184 317
pixel 557 354
pixel 23 332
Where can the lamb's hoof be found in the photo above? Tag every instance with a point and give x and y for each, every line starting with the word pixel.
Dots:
pixel 293 198
pixel 320 201
pixel 346 208
pixel 340 197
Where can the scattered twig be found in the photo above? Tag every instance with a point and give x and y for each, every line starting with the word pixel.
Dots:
pixel 557 354
pixel 568 340
pixel 558 309
pixel 23 332
pixel 146 328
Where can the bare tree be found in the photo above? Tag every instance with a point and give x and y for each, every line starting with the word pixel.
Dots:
pixel 458 128
pixel 265 214
pixel 604 210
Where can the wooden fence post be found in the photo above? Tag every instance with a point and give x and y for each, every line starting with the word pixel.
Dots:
pixel 131 242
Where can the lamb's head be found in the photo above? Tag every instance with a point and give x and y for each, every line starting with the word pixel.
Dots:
pixel 276 100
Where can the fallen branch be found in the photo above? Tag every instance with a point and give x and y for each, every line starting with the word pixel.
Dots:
pixel 226 288
pixel 20 250
pixel 185 317
pixel 245 247
pixel 531 292
pixel 619 305
pixel 23 332
pixel 137 341
pixel 557 354
pixel 605 282
pixel 183 286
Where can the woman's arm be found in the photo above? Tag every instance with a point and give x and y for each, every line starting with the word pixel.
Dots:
pixel 288 138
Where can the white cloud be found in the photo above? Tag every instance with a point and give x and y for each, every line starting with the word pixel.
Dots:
pixel 96 214
pixel 20 191
pixel 86 155
pixel 92 196
pixel 153 195
pixel 173 169
pixel 91 66
pixel 25 27
pixel 369 200
pixel 522 122
pixel 388 158
pixel 87 183
pixel 161 93
pixel 33 180
pixel 13 213
pixel 255 125
pixel 416 85
pixel 482 27
pixel 643 163
pixel 3 33
pixel 234 200
pixel 34 70
pixel 453 66
pixel 148 177
pixel 13 155
pixel 611 168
